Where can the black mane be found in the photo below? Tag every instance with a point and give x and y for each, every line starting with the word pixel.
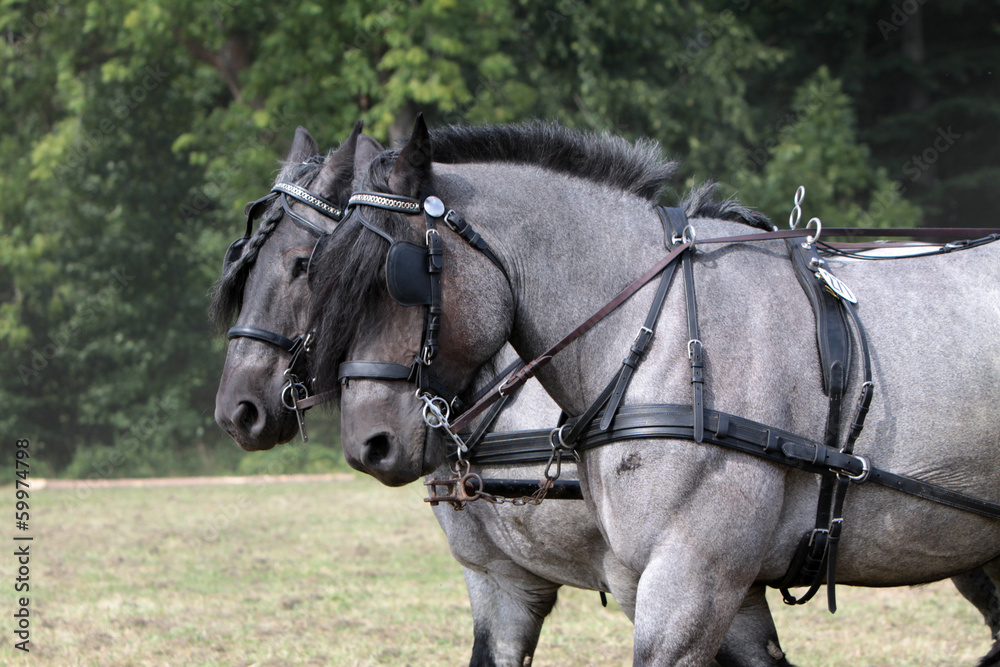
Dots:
pixel 636 168
pixel 700 204
pixel 227 294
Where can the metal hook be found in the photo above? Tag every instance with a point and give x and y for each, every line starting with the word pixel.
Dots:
pixel 689 236
pixel 819 230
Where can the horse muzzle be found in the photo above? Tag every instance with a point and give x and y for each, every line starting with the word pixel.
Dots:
pixel 249 422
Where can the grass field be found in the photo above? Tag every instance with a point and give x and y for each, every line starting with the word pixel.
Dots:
pixel 353 573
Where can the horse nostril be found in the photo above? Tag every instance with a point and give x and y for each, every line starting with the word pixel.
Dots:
pixel 376 449
pixel 246 416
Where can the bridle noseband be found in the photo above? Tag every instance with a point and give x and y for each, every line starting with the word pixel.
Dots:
pixel 295 390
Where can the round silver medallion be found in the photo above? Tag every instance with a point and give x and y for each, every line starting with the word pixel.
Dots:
pixel 434 207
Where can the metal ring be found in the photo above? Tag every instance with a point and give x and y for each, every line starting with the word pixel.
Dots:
pixel 471 478
pixel 558 433
pixel 292 393
pixel 436 411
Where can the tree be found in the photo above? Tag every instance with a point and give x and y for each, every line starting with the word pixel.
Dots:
pixel 923 84
pixel 816 147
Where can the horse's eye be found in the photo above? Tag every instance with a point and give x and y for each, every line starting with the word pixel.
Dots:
pixel 301 264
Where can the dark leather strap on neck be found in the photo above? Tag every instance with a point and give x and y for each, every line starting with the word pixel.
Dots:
pixel 673 221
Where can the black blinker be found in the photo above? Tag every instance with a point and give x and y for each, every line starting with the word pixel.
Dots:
pixel 406 274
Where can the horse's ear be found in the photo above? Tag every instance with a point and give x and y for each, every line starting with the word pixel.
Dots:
pixel 412 172
pixel 303 146
pixel 366 151
pixel 334 179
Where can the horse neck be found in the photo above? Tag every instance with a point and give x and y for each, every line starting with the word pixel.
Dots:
pixel 569 246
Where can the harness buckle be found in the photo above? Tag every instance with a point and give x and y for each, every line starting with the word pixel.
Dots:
pixel 642 330
pixel 449 221
pixel 815 533
pixel 866 469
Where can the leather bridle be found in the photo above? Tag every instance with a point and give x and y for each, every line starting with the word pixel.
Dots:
pixel 296 388
pixel 413 278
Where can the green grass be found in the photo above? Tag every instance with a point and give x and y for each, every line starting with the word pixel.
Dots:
pixel 353 573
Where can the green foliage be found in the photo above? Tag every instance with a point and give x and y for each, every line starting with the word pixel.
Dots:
pixel 815 146
pixel 131 134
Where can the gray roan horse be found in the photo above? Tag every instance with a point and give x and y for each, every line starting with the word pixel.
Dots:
pixel 515 557
pixel 568 223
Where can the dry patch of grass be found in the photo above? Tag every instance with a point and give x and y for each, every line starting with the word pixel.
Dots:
pixel 354 573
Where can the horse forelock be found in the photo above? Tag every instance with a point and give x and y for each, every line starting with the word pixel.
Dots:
pixel 637 168
pixel 227 293
pixel 349 281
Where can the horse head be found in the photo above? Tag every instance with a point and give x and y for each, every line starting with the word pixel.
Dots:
pixel 403 298
pixel 264 285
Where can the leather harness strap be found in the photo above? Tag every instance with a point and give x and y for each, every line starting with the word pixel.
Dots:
pixel 673 421
pixel 613 393
pixel 818 547
pixel 270 337
pixel 674 221
pixel 615 422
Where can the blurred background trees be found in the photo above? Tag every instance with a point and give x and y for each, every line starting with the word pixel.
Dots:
pixel 131 134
